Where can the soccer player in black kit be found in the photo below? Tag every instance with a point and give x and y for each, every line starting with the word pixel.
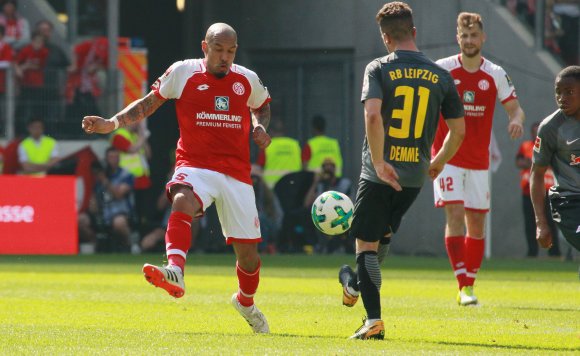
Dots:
pixel 558 146
pixel 403 95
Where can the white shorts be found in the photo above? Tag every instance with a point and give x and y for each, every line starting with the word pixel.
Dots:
pixel 235 201
pixel 469 187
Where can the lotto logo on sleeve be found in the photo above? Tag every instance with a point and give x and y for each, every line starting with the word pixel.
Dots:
pixel 222 103
pixel 537 144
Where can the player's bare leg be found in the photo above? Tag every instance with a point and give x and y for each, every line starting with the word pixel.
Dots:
pixel 177 242
pixel 248 270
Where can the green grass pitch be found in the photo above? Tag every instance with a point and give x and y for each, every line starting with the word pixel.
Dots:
pixel 85 305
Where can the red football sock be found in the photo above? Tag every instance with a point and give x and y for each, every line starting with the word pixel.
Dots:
pixel 455 246
pixel 178 238
pixel 248 284
pixel 474 249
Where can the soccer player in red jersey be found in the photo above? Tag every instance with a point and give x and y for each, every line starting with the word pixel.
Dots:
pixel 463 187
pixel 216 102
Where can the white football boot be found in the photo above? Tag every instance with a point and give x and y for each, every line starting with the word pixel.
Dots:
pixel 253 316
pixel 466 297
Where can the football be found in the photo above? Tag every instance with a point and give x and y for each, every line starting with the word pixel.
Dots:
pixel 332 213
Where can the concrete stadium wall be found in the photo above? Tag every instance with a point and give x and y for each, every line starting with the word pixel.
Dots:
pixel 350 24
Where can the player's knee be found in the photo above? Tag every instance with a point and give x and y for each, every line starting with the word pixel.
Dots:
pixel 363 246
pixel 185 202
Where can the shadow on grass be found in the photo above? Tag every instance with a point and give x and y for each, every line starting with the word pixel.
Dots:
pixel 504 347
pixel 445 343
pixel 543 309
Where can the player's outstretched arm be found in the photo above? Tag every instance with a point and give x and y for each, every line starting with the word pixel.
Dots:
pixel 516 118
pixel 538 196
pixel 134 112
pixel 450 146
pixel 261 120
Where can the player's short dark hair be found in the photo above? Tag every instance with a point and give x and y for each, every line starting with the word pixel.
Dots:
pixel 469 20
pixel 569 72
pixel 396 20
pixel 319 123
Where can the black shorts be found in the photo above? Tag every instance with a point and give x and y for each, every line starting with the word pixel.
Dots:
pixel 566 214
pixel 378 210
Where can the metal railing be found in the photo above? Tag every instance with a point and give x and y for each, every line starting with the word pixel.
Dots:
pixel 57 102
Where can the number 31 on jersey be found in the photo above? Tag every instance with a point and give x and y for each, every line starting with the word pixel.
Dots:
pixel 406 113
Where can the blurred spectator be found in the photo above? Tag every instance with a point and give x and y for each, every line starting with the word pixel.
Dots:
pixel 82 86
pixel 297 232
pixel 87 233
pixel 324 181
pixel 114 204
pixel 552 29
pixel 135 154
pixel 37 153
pixel 569 13
pixel 320 147
pixel 524 163
pixel 561 21
pixel 30 64
pixel 1 158
pixel 6 56
pixel 154 240
pixel 269 211
pixel 56 63
pixel 17 27
pixel 281 157
pixel 11 162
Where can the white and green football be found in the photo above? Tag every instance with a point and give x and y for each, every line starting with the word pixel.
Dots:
pixel 332 213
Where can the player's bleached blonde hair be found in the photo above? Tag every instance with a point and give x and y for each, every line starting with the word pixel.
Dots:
pixel 469 20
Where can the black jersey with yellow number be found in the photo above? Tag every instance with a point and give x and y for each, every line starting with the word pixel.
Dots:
pixel 414 91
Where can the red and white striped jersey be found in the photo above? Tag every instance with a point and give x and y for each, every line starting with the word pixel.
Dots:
pixel 478 92
pixel 213 114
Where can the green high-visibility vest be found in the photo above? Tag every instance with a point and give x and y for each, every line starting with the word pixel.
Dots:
pixel 38 153
pixel 322 147
pixel 282 157
pixel 134 163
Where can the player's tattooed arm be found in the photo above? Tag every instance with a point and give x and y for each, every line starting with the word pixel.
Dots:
pixel 139 109
pixel 262 116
